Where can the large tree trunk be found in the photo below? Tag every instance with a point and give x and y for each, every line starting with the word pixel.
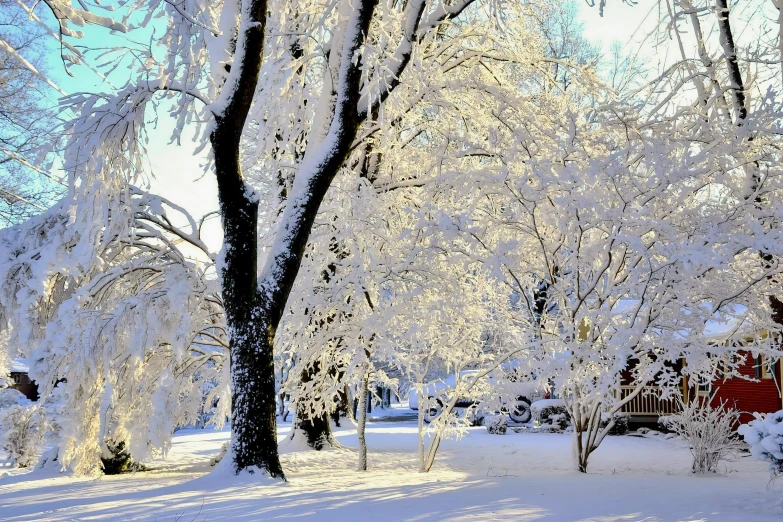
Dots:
pixel 250 326
pixel 254 422
pixel 255 308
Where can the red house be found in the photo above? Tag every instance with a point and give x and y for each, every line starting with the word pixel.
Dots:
pixel 761 394
pixel 20 380
pixel 760 389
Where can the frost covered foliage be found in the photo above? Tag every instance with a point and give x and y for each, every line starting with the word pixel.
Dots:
pixel 554 418
pixel 428 189
pixel 124 332
pixel 628 236
pixel 619 422
pixel 619 251
pixel 23 428
pixel 764 435
pixel 304 83
pixel 369 272
pixel 127 335
pixel 497 424
pixel 708 429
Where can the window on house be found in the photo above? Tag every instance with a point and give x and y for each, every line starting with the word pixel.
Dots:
pixel 766 369
pixel 705 387
pixel 761 366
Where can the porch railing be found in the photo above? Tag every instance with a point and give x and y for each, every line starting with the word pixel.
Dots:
pixel 648 402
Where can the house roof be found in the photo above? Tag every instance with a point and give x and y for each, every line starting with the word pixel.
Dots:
pixel 722 325
pixel 19 366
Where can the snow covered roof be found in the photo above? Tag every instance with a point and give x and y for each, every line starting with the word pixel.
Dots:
pixel 19 366
pixel 722 325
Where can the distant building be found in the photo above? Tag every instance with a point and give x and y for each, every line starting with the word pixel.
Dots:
pixel 20 380
pixel 760 389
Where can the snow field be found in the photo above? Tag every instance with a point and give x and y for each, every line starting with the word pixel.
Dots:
pixel 515 477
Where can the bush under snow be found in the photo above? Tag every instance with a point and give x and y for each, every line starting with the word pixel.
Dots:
pixel 497 424
pixel 22 428
pixel 765 437
pixel 551 414
pixel 621 420
pixel 709 431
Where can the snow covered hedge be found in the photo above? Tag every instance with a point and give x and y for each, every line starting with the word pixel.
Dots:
pixel 497 424
pixel 765 437
pixel 708 430
pixel 551 414
pixel 23 428
pixel 621 420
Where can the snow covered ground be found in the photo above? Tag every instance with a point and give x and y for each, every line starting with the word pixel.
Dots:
pixel 515 477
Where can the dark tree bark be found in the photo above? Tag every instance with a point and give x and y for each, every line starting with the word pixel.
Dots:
pixel 254 424
pixel 732 64
pixel 738 90
pixel 316 427
pixel 343 410
pixel 253 310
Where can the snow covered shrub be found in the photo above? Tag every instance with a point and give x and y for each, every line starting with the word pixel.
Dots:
pixel 552 417
pixel 22 432
pixel 118 460
pixel 765 437
pixel 620 426
pixel 497 424
pixel 11 397
pixel 476 417
pixel 709 432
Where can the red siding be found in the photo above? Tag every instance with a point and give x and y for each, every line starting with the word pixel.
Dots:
pixel 748 397
pixel 24 384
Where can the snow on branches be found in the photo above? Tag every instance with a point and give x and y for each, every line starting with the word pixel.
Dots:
pixel 127 339
pixel 764 435
pixel 407 191
pixel 625 244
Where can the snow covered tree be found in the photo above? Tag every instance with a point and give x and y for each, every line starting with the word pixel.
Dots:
pixel 611 226
pixel 367 228
pixel 27 118
pixel 129 344
pixel 241 67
